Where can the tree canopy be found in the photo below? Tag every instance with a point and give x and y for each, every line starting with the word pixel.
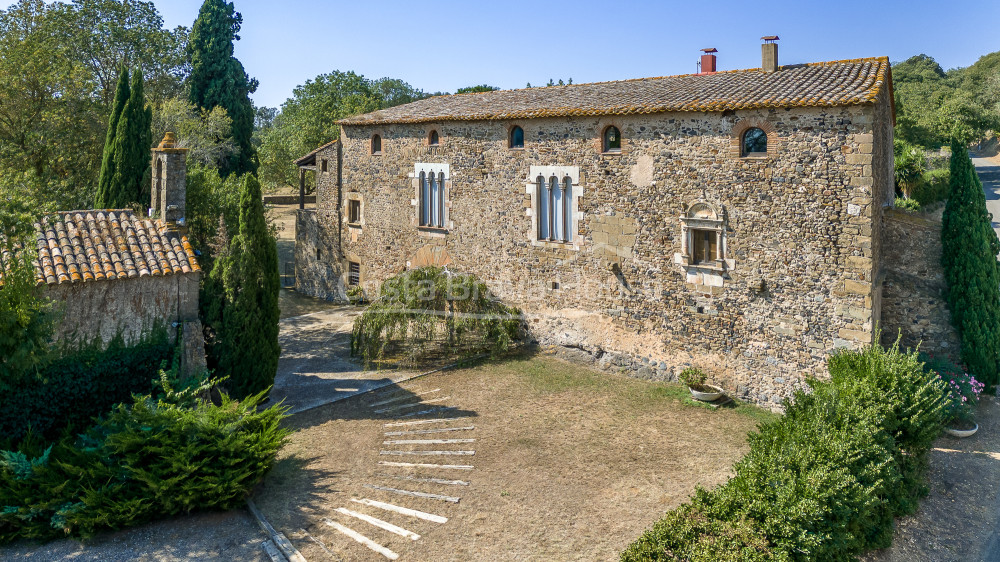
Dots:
pixel 308 119
pixel 219 80
pixel 933 105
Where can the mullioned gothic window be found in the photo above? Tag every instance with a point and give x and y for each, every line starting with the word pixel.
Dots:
pixel 554 193
pixel 431 182
pixel 555 197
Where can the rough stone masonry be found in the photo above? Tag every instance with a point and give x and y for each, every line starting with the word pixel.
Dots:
pixel 797 230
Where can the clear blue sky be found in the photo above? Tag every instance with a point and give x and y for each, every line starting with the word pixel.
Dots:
pixel 444 45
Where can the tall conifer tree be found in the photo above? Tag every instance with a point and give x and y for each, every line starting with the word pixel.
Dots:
pixel 104 187
pixel 969 257
pixel 247 329
pixel 218 79
pixel 133 140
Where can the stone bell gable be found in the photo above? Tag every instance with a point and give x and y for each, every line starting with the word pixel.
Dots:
pixel 729 220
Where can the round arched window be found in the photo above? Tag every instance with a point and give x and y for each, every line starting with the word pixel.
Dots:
pixel 612 139
pixel 754 142
pixel 433 138
pixel 517 137
pixel 376 144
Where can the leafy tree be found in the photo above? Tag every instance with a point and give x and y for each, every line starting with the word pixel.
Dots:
pixel 219 80
pixel 970 248
pixel 245 318
pixel 103 197
pixel 107 34
pixel 205 133
pixel 26 317
pixel 308 118
pixel 130 151
pixel 480 88
pixel 48 122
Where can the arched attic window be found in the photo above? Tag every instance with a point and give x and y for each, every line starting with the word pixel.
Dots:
pixel 612 141
pixel 754 142
pixel 376 144
pixel 516 137
pixel 433 139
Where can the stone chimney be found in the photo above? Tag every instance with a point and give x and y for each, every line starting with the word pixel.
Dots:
pixel 169 192
pixel 769 54
pixel 708 60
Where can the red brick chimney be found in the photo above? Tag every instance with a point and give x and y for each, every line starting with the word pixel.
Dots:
pixel 708 60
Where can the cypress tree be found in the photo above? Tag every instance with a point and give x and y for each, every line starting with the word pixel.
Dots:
pixel 133 140
pixel 969 257
pixel 103 198
pixel 247 332
pixel 218 79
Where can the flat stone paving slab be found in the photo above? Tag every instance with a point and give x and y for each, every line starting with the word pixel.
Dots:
pixel 316 367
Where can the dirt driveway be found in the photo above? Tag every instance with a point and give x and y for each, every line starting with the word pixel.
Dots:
pixel 536 459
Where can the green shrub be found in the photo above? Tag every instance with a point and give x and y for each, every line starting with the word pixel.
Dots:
pixel 825 481
pixel 962 390
pixel 78 385
pixel 688 534
pixel 692 376
pixel 431 313
pixel 144 460
pixel 907 204
pixel 931 187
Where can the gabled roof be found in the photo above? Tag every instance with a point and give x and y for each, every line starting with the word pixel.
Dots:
pixel 82 246
pixel 846 82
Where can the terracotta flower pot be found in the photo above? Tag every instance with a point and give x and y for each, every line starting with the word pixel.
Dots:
pixel 706 392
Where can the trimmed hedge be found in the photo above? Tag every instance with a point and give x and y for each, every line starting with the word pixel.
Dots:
pixel 77 386
pixel 823 482
pixel 145 460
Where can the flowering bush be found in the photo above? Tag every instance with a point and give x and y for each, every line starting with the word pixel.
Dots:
pixel 962 390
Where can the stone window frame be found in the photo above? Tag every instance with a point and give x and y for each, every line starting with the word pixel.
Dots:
pixel 354 196
pixel 531 204
pixel 602 128
pixel 741 127
pixel 702 216
pixel 436 168
pixel 510 139
pixel 371 143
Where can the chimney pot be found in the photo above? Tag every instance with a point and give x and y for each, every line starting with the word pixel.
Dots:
pixel 769 54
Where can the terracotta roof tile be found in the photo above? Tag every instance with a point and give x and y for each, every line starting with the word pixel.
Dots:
pixel 81 246
pixel 847 82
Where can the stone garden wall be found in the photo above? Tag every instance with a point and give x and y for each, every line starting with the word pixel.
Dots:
pixel 913 303
pixel 798 233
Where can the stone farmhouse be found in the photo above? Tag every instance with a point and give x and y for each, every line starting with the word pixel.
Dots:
pixel 732 220
pixel 111 271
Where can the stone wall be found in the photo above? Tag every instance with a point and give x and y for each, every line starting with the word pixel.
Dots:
pixel 318 272
pixel 913 302
pixel 797 229
pixel 100 309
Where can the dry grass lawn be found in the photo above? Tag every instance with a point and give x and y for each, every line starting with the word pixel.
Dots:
pixel 570 464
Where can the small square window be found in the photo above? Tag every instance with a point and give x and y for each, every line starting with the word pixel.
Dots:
pixel 354 211
pixel 705 246
pixel 353 274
